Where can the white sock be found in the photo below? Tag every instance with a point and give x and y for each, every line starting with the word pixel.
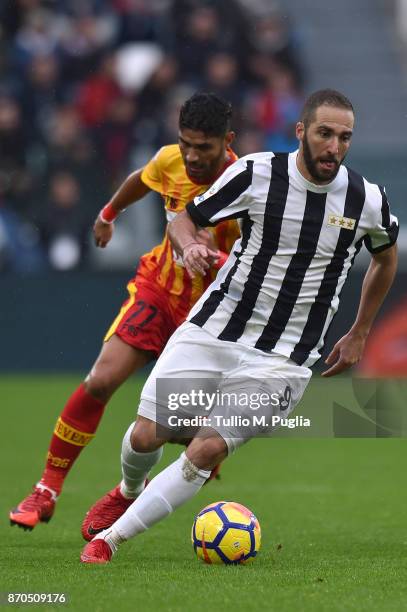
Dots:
pixel 135 467
pixel 169 489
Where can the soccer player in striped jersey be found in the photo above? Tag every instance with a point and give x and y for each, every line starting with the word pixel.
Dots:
pixel 160 294
pixel 262 322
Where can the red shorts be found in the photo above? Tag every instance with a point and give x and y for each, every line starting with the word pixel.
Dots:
pixel 145 320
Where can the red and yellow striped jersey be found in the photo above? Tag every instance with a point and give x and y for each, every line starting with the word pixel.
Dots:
pixel 166 174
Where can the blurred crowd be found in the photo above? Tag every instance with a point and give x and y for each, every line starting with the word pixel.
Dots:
pixel 89 89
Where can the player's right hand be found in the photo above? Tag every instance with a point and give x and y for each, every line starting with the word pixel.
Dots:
pixel 102 232
pixel 197 258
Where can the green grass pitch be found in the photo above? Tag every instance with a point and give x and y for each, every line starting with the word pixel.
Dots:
pixel 332 512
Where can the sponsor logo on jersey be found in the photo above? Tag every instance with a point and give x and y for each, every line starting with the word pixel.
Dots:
pixel 69 434
pixel 341 222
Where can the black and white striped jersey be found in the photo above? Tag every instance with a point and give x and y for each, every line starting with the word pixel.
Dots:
pixel 280 286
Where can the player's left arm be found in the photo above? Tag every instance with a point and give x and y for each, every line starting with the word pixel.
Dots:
pixel 376 284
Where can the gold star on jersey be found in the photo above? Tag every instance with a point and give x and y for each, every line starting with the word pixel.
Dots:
pixel 341 222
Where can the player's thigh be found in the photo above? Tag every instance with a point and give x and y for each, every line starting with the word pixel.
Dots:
pixel 190 355
pixel 187 372
pixel 270 379
pixel 144 321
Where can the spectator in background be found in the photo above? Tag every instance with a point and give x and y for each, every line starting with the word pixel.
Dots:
pixel 202 27
pixel 222 76
pixel 143 21
pixel 13 13
pixel 153 99
pixel 38 35
pixel 175 98
pixel 250 140
pixel 20 247
pixel 64 223
pixel 275 108
pixel 64 131
pixel 201 35
pixel 83 161
pixel 68 147
pixel 82 44
pixel 97 93
pixel 116 138
pixel 42 92
pixel 271 39
pixel 15 179
pixel 66 106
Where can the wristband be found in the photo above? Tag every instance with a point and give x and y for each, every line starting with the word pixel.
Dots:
pixel 108 214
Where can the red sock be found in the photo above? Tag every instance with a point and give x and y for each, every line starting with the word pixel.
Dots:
pixel 74 429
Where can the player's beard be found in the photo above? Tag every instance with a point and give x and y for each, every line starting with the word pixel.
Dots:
pixel 206 173
pixel 311 164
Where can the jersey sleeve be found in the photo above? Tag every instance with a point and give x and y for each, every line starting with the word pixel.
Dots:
pixel 385 228
pixel 152 172
pixel 228 198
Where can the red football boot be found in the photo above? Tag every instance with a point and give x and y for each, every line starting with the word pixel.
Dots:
pixel 38 507
pixel 105 512
pixel 97 551
pixel 111 507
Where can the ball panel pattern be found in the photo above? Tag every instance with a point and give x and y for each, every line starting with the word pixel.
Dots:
pixel 226 533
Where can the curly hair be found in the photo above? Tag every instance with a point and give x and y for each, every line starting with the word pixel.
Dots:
pixel 207 113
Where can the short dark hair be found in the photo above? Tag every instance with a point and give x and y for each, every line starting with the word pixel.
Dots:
pixel 329 97
pixel 207 113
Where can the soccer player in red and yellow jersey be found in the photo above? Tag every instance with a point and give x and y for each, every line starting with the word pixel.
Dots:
pixel 160 294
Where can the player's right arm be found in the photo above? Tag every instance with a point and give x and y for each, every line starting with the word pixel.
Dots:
pixel 130 191
pixel 186 240
pixel 226 199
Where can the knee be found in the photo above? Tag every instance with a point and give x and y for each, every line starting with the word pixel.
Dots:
pixel 102 382
pixel 206 453
pixel 143 438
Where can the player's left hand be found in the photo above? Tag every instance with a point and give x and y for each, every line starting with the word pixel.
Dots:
pixel 346 352
pixel 198 258
pixel 208 239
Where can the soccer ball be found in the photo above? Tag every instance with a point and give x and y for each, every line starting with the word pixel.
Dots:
pixel 226 532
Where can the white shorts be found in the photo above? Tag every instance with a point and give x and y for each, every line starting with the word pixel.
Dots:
pixel 241 391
